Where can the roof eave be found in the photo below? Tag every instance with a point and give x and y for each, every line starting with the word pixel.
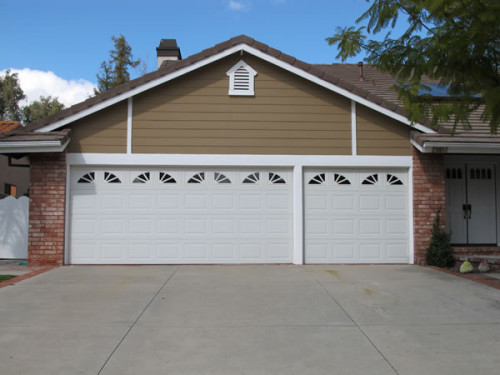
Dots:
pixel 23 147
pixel 436 147
pixel 240 47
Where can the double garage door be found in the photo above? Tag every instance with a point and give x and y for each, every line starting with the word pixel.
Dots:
pixel 208 215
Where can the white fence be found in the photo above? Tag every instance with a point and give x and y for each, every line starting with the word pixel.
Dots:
pixel 14 226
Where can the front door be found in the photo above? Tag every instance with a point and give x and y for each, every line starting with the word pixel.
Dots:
pixel 471 203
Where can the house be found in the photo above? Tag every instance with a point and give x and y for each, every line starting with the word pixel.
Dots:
pixel 243 154
pixel 14 171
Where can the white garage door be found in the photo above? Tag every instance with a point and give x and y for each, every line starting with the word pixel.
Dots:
pixel 154 215
pixel 356 216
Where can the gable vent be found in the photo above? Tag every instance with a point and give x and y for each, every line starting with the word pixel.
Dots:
pixel 241 79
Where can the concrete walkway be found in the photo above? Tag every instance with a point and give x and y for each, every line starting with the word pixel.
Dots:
pixel 249 320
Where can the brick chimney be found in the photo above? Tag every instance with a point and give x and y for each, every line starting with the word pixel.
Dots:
pixel 168 50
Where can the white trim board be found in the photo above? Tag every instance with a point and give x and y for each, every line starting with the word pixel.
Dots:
pixel 33 146
pixel 240 160
pixel 238 48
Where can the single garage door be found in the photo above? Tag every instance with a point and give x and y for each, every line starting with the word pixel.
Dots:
pixel 356 216
pixel 162 215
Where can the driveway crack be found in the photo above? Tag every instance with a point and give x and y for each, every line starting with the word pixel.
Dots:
pixel 136 320
pixel 359 327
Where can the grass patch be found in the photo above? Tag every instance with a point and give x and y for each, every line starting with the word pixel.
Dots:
pixel 6 277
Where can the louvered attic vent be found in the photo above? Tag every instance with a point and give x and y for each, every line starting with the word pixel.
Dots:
pixel 241 79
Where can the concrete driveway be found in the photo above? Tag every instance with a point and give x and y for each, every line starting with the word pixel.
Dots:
pixel 249 320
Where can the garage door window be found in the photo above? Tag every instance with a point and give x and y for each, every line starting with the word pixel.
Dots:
pixel 371 180
pixel 252 178
pixel 198 178
pixel 166 178
pixel 87 178
pixel 110 178
pixel 142 178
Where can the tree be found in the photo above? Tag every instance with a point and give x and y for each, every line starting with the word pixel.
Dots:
pixel 10 96
pixel 115 71
pixel 41 108
pixel 456 42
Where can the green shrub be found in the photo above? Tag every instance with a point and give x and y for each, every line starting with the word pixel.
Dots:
pixel 440 252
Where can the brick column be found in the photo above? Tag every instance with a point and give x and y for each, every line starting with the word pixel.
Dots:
pixel 428 199
pixel 47 208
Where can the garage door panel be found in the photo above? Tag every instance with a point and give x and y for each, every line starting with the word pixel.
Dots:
pixel 397 226
pixel 140 226
pixel 192 216
pixel 344 227
pixel 396 251
pixel 369 202
pixel 169 201
pixel 343 251
pixel 369 251
pixel 343 202
pixel 352 216
pixel 139 251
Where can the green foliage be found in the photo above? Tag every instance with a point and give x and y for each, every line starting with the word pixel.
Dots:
pixel 115 71
pixel 6 277
pixel 41 108
pixel 10 96
pixel 440 253
pixel 456 42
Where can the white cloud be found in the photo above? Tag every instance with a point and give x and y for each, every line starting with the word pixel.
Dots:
pixel 236 5
pixel 36 83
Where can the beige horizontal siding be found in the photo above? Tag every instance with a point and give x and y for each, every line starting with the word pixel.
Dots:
pixel 287 115
pixel 101 132
pixel 380 135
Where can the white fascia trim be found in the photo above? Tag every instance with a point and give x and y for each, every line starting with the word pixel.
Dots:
pixel 337 89
pixel 33 147
pixel 354 139
pixel 239 160
pixel 67 217
pixel 417 146
pixel 410 217
pixel 129 124
pixel 298 215
pixel 141 89
pixel 221 55
pixel 458 148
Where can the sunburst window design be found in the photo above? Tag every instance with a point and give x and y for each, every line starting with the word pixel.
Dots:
pixel 339 179
pixel 87 178
pixel 198 178
pixel 142 178
pixel 221 178
pixel 166 178
pixel 276 179
pixel 318 179
pixel 371 180
pixel 393 180
pixel 252 178
pixel 111 178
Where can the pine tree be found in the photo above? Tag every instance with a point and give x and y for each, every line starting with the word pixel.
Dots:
pixel 115 71
pixel 10 96
pixel 440 252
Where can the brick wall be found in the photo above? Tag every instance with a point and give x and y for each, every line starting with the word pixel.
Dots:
pixel 428 198
pixel 47 206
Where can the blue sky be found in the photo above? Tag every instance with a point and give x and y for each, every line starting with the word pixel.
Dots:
pixel 71 38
